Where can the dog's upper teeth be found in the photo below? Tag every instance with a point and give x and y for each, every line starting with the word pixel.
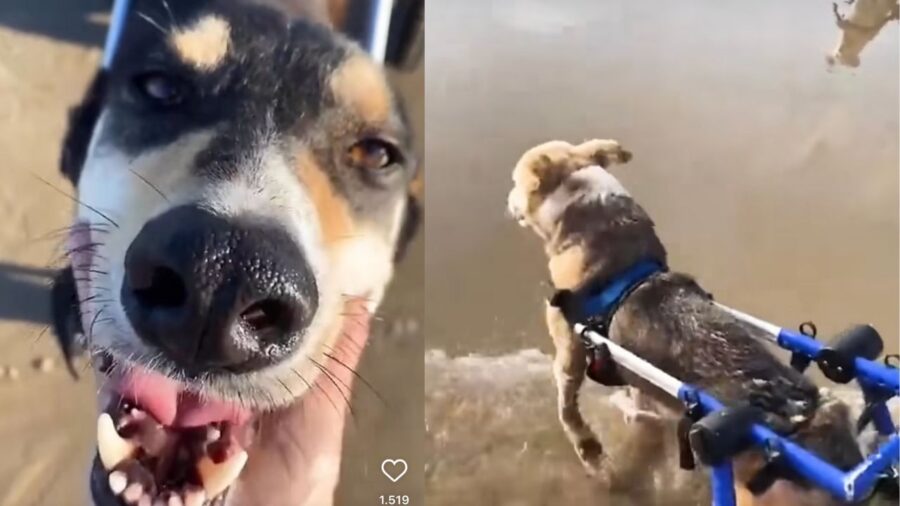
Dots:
pixel 217 477
pixel 212 434
pixel 117 482
pixel 112 448
pixel 194 497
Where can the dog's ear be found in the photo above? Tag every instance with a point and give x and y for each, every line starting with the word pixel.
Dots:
pixel 67 318
pixel 603 152
pixel 622 156
pixel 82 120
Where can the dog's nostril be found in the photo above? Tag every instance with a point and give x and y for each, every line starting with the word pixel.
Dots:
pixel 267 315
pixel 160 287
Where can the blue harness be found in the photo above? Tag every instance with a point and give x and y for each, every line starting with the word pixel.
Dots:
pixel 595 304
pixel 599 303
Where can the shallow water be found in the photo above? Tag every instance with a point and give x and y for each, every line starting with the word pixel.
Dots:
pixel 489 441
pixel 492 438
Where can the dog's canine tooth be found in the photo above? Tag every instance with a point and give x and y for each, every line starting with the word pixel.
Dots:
pixel 212 434
pixel 175 500
pixel 194 496
pixel 217 477
pixel 133 493
pixel 113 449
pixel 117 482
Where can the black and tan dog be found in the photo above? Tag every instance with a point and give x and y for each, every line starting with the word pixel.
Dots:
pixel 594 231
pixel 243 175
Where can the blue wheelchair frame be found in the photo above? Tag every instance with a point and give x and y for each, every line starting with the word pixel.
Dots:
pixel 878 382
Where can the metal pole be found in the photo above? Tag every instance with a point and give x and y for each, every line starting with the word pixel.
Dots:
pixel 114 33
pixel 723 485
pixel 868 371
pixel 380 26
pixel 635 364
pixel 770 328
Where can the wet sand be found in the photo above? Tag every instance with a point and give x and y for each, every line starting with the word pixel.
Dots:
pixel 48 50
pixel 771 179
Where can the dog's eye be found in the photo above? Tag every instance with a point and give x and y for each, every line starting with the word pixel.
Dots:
pixel 160 88
pixel 373 154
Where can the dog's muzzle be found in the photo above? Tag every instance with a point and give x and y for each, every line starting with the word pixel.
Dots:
pixel 515 206
pixel 216 293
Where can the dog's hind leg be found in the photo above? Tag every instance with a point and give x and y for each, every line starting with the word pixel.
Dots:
pixel 644 443
pixel 569 367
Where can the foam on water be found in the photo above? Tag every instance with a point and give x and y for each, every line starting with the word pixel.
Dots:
pixel 493 438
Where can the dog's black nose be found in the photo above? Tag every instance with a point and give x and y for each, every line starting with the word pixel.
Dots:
pixel 217 293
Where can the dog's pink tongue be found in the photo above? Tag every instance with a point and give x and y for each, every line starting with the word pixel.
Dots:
pixel 172 405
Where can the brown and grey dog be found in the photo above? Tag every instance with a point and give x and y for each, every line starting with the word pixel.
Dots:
pixel 593 230
pixel 243 175
pixel 860 27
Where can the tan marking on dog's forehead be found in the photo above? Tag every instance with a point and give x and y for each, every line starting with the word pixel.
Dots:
pixel 204 44
pixel 567 268
pixel 334 214
pixel 360 84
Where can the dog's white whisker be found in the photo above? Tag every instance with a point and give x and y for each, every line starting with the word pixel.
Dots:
pixel 152 22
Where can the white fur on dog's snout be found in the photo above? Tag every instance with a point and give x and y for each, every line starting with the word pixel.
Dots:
pixel 119 194
pixel 133 189
pixel 516 203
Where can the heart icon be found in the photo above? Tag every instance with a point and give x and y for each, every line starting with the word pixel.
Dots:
pixel 394 469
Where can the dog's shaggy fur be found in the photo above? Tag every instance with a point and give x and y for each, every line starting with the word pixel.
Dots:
pixel 592 231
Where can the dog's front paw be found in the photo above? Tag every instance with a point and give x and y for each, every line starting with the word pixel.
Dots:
pixel 609 478
pixel 599 467
pixel 590 451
